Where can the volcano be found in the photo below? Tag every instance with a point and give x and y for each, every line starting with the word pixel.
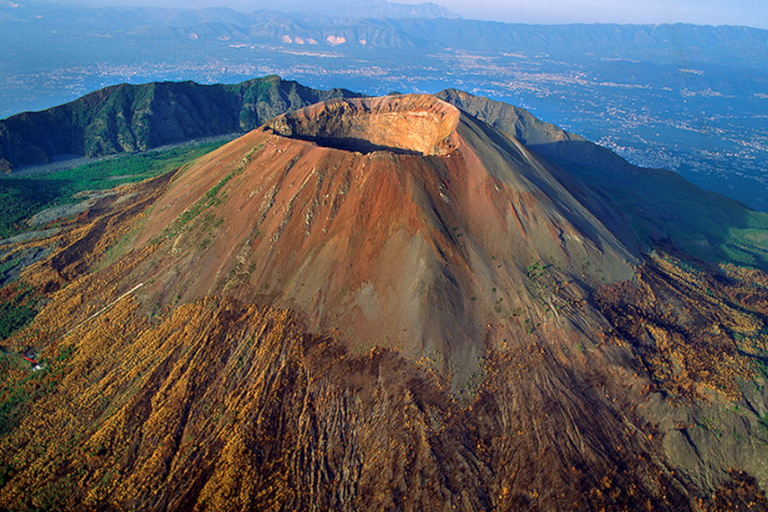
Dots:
pixel 396 222
pixel 383 304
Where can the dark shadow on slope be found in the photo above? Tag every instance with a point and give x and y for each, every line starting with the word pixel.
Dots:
pixel 660 203
pixel 600 206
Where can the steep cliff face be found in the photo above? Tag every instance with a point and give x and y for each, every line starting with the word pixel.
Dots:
pixel 379 304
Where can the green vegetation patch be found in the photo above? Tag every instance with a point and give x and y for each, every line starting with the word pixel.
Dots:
pixel 20 198
pixel 761 366
pixel 535 271
pixel 209 199
pixel 764 422
pixel 18 306
pixel 130 168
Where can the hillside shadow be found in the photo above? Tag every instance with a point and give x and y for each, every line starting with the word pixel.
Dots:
pixel 661 203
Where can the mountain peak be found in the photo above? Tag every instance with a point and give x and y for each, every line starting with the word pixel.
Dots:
pixel 397 221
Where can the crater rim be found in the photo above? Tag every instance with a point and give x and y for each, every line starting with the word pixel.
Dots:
pixel 412 124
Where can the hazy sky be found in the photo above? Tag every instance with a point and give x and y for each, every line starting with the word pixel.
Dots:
pixel 706 12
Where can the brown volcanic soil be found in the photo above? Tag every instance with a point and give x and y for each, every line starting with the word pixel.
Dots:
pixel 294 326
pixel 421 249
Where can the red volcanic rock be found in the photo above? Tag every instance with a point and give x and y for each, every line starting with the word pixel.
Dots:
pixel 396 221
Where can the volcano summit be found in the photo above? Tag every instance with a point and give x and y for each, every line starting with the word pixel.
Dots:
pixel 380 304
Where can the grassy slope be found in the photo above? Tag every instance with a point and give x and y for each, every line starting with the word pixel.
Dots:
pixel 20 198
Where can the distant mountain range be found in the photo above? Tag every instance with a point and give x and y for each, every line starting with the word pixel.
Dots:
pixel 386 25
pixel 360 8
pixel 127 17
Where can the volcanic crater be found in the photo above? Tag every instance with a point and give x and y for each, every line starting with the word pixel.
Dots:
pixel 413 124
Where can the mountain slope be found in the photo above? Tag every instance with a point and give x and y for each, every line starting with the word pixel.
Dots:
pixel 658 203
pixel 139 117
